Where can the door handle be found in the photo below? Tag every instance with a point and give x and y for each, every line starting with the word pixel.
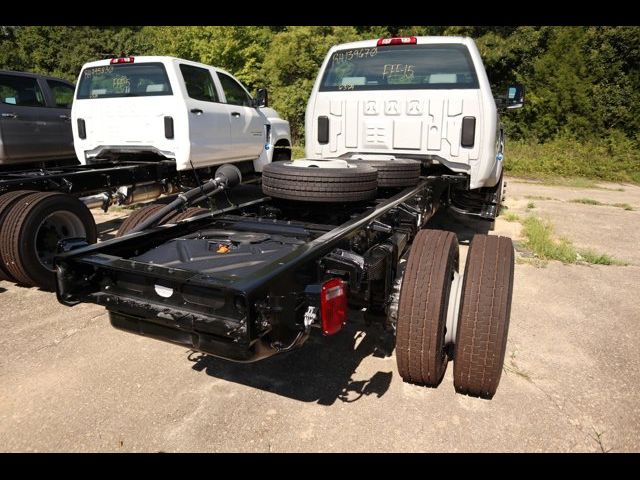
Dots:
pixel 197 111
pixel 235 114
pixel 9 115
pixel 64 117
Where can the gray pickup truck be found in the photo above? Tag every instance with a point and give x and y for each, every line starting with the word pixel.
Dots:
pixel 35 118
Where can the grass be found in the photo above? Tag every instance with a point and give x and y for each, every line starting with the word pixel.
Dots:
pixel 297 151
pixel 594 258
pixel 531 205
pixel 590 201
pixel 624 206
pixel 511 217
pixel 578 164
pixel 587 201
pixel 539 239
pixel 571 182
pixel 538 197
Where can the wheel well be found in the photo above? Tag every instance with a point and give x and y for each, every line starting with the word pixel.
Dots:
pixel 282 143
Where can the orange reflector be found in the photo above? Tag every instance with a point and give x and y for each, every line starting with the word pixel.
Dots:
pixel 222 248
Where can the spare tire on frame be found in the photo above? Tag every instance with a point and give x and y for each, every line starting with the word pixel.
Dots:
pixel 320 181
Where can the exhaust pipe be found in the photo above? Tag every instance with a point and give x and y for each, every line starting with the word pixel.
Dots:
pixel 101 200
pixel 227 176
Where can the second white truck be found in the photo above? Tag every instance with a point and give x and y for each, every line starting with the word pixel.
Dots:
pixel 172 108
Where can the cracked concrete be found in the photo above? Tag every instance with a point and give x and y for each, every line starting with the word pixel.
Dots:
pixel 70 382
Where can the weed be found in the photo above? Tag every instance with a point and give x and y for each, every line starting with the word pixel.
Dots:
pixel 598 438
pixel 625 206
pixel 587 201
pixel 538 197
pixel 538 235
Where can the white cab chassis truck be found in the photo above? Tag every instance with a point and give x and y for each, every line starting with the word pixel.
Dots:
pixel 421 98
pixel 196 114
pixel 393 126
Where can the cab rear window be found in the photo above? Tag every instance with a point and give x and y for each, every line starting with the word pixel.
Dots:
pixel 400 67
pixel 126 80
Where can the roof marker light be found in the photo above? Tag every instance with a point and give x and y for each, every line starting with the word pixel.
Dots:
pixel 122 60
pixel 397 41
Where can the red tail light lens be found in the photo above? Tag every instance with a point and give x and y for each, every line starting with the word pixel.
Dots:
pixel 122 60
pixel 397 41
pixel 333 306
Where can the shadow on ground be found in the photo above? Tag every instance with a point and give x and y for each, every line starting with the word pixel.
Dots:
pixel 321 371
pixel 464 228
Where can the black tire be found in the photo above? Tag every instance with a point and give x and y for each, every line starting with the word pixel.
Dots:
pixel 140 215
pixel 32 230
pixel 189 213
pixel 309 184
pixel 483 324
pixel 7 201
pixel 400 172
pixel 421 352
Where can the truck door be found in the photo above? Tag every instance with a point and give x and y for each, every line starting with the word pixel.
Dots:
pixel 61 98
pixel 209 125
pixel 25 130
pixel 247 122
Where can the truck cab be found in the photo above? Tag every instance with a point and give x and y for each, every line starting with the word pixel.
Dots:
pixel 170 108
pixel 421 98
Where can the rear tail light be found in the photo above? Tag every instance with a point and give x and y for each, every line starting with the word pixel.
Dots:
pixel 397 41
pixel 333 306
pixel 468 132
pixel 82 129
pixel 122 60
pixel 323 130
pixel 168 127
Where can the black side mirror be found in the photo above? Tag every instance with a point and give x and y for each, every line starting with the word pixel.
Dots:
pixel 515 97
pixel 262 98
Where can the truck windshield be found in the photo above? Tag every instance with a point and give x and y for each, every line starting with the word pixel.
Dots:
pixel 126 80
pixel 400 67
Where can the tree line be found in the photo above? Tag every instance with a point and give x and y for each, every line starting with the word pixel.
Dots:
pixel 581 83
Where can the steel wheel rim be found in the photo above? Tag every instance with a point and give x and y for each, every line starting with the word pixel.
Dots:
pixel 56 226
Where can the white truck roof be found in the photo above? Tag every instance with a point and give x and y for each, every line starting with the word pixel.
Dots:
pixel 155 59
pixel 419 40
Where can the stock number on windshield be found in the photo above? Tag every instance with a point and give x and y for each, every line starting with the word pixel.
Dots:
pixel 357 53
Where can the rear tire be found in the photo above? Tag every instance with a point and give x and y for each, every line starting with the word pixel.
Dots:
pixel 314 183
pixel 7 201
pixel 32 230
pixel 140 215
pixel 400 172
pixel 422 313
pixel 189 213
pixel 483 324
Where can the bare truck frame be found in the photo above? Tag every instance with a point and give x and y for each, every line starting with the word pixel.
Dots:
pixel 257 275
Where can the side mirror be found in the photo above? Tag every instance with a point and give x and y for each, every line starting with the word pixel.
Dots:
pixel 515 97
pixel 262 98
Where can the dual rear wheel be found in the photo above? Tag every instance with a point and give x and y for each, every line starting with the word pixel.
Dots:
pixel 31 226
pixel 481 317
